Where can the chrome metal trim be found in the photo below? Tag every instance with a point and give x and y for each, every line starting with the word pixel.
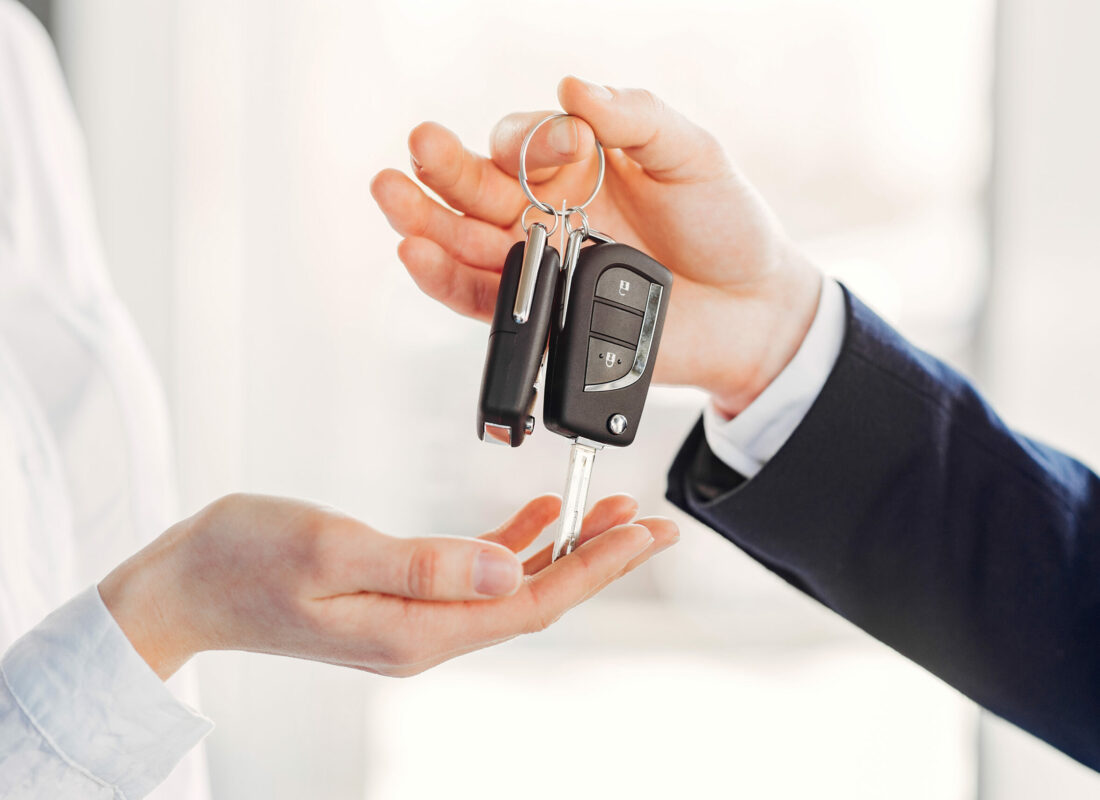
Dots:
pixel 501 434
pixel 529 272
pixel 572 253
pixel 645 344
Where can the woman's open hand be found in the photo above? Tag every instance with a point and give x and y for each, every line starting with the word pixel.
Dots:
pixel 282 576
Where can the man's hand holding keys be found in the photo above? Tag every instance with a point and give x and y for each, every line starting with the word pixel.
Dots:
pixel 670 190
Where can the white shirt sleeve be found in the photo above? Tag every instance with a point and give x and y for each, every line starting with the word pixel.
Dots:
pixel 81 713
pixel 748 441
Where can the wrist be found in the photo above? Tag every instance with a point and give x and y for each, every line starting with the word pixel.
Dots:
pixel 786 307
pixel 146 600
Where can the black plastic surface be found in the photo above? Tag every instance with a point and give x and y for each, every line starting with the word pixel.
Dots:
pixel 515 350
pixel 567 408
pixel 615 322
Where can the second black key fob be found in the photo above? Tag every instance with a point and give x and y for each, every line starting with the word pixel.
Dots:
pixel 517 341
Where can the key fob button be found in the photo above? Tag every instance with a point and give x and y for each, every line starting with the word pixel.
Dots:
pixel 621 285
pixel 616 322
pixel 607 361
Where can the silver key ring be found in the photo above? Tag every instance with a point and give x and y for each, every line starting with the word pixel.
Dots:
pixel 568 215
pixel 525 225
pixel 546 208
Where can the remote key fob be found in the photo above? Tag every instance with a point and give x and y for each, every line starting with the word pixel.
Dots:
pixel 517 341
pixel 602 348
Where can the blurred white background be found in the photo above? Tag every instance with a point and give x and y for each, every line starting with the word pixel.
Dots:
pixel 939 157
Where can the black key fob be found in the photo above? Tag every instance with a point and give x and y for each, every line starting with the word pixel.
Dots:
pixel 603 347
pixel 517 341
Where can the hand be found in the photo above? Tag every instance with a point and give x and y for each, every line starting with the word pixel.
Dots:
pixel 743 296
pixel 281 576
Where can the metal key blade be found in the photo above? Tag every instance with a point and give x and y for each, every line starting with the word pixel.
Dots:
pixel 581 457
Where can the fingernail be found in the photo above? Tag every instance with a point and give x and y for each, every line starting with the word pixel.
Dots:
pixel 668 544
pixel 496 574
pixel 644 543
pixel 415 164
pixel 596 90
pixel 563 136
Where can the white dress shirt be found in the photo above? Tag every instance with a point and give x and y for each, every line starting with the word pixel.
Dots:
pixel 85 472
pixel 748 441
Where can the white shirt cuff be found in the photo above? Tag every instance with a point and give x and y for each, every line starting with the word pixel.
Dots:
pixel 95 700
pixel 748 441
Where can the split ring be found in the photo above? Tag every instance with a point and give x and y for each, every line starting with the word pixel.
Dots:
pixel 546 207
pixel 523 219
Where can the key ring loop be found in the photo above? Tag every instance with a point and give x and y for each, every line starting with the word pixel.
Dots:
pixel 523 219
pixel 546 207
pixel 567 215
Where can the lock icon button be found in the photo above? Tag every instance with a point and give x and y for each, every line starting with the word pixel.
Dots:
pixel 623 286
pixel 607 361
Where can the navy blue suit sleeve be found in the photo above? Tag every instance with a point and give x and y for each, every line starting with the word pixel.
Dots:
pixel 903 503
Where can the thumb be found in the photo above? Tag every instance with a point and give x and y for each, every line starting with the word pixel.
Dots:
pixel 557 143
pixel 441 568
pixel 661 140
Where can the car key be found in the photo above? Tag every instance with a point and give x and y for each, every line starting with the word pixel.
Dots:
pixel 517 339
pixel 609 314
pixel 603 313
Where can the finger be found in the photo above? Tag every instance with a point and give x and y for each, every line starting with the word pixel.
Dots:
pixel 449 629
pixel 569 580
pixel 410 212
pixel 559 142
pixel 661 140
pixel 665 534
pixel 618 509
pixel 355 558
pixel 466 181
pixel 467 290
pixel 526 524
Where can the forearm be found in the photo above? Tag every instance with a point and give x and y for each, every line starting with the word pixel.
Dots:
pixel 904 503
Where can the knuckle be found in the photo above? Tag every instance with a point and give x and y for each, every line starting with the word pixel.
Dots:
pixel 709 146
pixel 451 291
pixel 484 295
pixel 481 194
pixel 651 102
pixel 421 223
pixel 224 505
pixel 543 614
pixel 422 575
pixel 403 657
pixel 543 618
